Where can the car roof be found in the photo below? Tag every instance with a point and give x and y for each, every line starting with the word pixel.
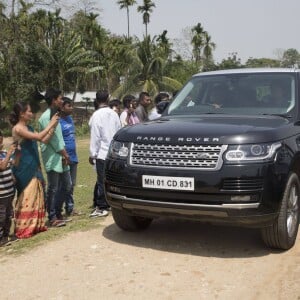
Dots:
pixel 249 71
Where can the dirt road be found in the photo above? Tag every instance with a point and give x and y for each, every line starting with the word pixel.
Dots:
pixel 171 260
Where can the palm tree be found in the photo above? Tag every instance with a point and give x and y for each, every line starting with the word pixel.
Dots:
pixel 208 46
pixel 2 9
pixel 94 37
pixel 146 9
pixel 147 71
pixel 164 44
pixel 55 26
pixel 118 53
pixel 126 4
pixel 197 41
pixel 68 61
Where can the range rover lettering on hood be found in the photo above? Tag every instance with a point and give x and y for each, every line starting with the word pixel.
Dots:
pixel 178 139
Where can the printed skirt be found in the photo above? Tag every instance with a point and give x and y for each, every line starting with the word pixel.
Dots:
pixel 30 210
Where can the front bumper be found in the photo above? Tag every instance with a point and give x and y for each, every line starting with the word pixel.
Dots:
pixel 216 197
pixel 234 214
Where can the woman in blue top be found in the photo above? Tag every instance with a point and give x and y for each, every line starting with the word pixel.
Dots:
pixel 30 205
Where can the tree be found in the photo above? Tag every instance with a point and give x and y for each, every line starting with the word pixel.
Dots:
pixel 180 69
pixel 118 58
pixel 14 47
pixel 86 25
pixel 208 46
pixel 147 72
pixel 262 63
pixel 94 38
pixel 197 41
pixel 203 47
pixel 231 62
pixel 146 9
pixel 126 4
pixel 68 61
pixel 2 9
pixel 291 58
pixel 164 44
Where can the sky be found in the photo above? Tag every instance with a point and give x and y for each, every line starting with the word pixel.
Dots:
pixel 252 28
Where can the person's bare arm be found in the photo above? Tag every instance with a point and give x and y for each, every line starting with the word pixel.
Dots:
pixel 23 132
pixel 4 162
pixel 47 137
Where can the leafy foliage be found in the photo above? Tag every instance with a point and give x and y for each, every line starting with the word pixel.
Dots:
pixel 291 58
pixel 231 62
pixel 147 71
pixel 40 48
pixel 262 62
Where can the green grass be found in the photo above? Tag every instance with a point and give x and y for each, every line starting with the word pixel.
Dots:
pixel 86 178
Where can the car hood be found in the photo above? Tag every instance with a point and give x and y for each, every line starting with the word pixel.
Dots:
pixel 209 130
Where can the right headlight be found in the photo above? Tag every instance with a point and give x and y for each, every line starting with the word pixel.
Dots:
pixel 251 152
pixel 118 150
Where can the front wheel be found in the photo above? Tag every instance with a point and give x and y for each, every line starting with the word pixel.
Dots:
pixel 282 234
pixel 130 223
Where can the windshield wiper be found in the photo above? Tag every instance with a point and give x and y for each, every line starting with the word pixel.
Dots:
pixel 285 116
pixel 212 113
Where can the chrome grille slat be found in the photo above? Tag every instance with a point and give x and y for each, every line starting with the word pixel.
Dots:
pixel 177 156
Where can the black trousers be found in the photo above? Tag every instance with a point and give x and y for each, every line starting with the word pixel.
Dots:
pixel 5 215
pixel 99 195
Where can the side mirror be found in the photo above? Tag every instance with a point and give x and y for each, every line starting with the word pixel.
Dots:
pixel 162 106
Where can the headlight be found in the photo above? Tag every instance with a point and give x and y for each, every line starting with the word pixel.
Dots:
pixel 251 153
pixel 118 150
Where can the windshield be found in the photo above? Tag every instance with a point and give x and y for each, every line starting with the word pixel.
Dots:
pixel 237 94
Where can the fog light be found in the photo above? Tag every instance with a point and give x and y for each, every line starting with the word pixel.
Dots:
pixel 241 198
pixel 114 189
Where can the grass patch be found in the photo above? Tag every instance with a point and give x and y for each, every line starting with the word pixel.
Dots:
pixel 86 178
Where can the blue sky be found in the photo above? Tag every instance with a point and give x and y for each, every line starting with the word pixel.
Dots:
pixel 252 28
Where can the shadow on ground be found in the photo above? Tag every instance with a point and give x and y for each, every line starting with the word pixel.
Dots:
pixel 193 238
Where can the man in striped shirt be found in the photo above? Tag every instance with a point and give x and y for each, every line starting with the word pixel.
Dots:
pixel 7 190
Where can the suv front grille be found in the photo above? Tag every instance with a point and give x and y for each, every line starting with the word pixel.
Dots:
pixel 206 157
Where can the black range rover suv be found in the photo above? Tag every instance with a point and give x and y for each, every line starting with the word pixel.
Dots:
pixel 225 150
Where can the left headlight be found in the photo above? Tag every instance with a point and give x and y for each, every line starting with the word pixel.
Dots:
pixel 118 150
pixel 251 152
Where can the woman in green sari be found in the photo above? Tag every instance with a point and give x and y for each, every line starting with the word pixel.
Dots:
pixel 30 205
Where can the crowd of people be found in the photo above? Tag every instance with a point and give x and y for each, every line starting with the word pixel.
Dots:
pixel 20 166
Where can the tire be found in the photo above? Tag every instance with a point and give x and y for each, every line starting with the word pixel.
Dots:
pixel 130 223
pixel 282 234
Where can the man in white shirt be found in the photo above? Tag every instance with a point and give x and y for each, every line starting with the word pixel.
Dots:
pixel 104 124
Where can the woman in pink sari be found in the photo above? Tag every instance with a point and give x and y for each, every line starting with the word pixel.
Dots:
pixel 128 116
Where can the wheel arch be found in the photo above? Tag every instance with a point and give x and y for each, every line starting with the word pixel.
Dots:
pixel 295 165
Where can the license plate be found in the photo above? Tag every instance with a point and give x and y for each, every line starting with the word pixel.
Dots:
pixel 168 183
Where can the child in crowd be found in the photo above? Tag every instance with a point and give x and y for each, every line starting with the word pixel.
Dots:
pixel 69 136
pixel 115 105
pixel 7 191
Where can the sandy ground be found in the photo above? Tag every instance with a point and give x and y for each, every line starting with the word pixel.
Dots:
pixel 171 260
